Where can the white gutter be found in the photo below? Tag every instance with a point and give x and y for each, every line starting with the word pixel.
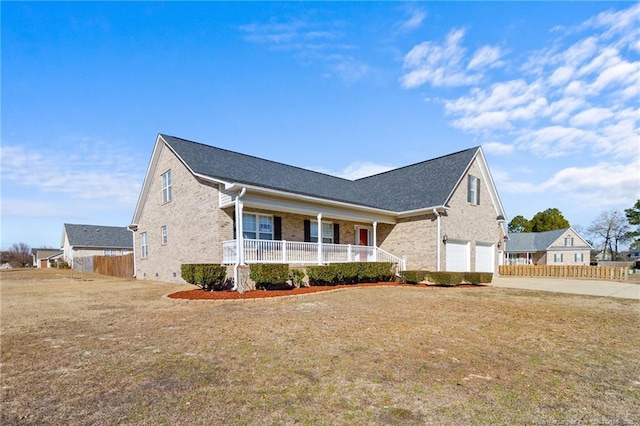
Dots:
pixel 437 239
pixel 133 228
pixel 239 242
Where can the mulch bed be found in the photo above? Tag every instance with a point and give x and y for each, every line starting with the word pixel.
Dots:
pixel 199 294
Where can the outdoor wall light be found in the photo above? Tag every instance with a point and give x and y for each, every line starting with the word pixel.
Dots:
pixel 445 238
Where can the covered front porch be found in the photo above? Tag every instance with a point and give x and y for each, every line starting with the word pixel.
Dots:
pixel 247 251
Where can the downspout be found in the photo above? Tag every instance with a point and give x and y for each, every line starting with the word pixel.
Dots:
pixel 239 242
pixel 133 228
pixel 437 239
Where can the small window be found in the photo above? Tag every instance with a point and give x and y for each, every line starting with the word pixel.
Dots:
pixel 473 190
pixel 164 234
pixel 557 258
pixel 568 242
pixel 166 186
pixel 144 249
pixel 327 232
pixel 579 257
pixel 257 226
pixel 111 252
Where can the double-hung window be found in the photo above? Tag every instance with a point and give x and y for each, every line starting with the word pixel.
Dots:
pixel 164 235
pixel 144 248
pixel 557 258
pixel 257 226
pixel 166 186
pixel 568 242
pixel 473 190
pixel 579 257
pixel 327 232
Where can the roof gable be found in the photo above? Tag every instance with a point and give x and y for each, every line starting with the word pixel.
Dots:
pixel 98 236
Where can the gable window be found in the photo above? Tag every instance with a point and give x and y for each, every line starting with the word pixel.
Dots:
pixel 579 257
pixel 568 242
pixel 257 226
pixel 473 190
pixel 166 186
pixel 557 257
pixel 144 248
pixel 164 234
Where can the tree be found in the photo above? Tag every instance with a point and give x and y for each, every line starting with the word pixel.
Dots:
pixel 548 220
pixel 633 217
pixel 612 229
pixel 519 224
pixel 20 254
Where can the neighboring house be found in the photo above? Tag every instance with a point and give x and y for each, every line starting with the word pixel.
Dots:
pixel 42 256
pixel 558 247
pixel 80 241
pixel 201 204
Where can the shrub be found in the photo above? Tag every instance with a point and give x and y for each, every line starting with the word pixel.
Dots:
pixel 206 276
pixel 322 275
pixel 269 275
pixel 349 273
pixel 297 277
pixel 413 277
pixel 375 272
pixel 446 278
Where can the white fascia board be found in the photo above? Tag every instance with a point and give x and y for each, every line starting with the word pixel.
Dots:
pixel 424 210
pixel 313 200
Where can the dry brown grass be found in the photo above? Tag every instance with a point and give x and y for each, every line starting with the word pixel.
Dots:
pixel 110 351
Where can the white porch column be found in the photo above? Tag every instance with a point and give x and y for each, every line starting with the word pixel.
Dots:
pixel 375 241
pixel 319 238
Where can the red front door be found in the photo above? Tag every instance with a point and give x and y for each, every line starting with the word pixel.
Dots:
pixel 363 240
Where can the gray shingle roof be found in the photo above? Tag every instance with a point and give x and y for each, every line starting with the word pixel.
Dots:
pixel 425 184
pixel 99 236
pixel 532 241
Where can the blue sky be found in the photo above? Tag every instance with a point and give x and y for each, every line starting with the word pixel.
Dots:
pixel 550 90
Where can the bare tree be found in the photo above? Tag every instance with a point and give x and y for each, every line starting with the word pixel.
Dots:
pixel 612 229
pixel 20 254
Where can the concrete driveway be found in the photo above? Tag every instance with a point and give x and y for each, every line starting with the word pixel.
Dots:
pixel 624 290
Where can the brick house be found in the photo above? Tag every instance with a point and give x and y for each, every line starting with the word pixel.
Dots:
pixel 557 247
pixel 201 204
pixel 80 242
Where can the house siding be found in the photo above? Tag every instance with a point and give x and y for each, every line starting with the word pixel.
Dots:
pixel 569 252
pixel 196 226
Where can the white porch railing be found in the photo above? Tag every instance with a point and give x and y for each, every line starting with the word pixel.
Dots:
pixel 267 251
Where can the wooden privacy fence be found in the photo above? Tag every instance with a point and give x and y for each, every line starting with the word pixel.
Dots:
pixel 566 271
pixel 114 266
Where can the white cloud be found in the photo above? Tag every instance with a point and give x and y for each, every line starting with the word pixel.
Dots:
pixel 32 208
pixel 92 171
pixel 497 148
pixel 356 170
pixel 600 186
pixel 438 64
pixel 417 16
pixel 486 56
pixel 591 117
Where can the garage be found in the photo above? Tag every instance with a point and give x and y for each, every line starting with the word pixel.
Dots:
pixel 484 258
pixel 458 256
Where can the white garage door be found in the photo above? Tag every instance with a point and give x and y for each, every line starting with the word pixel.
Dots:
pixel 484 258
pixel 457 256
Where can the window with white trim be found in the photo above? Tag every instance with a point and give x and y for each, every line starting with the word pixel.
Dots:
pixel 579 257
pixel 257 226
pixel 327 232
pixel 166 186
pixel 164 235
pixel 568 242
pixel 144 248
pixel 557 258
pixel 473 190
pixel 111 252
